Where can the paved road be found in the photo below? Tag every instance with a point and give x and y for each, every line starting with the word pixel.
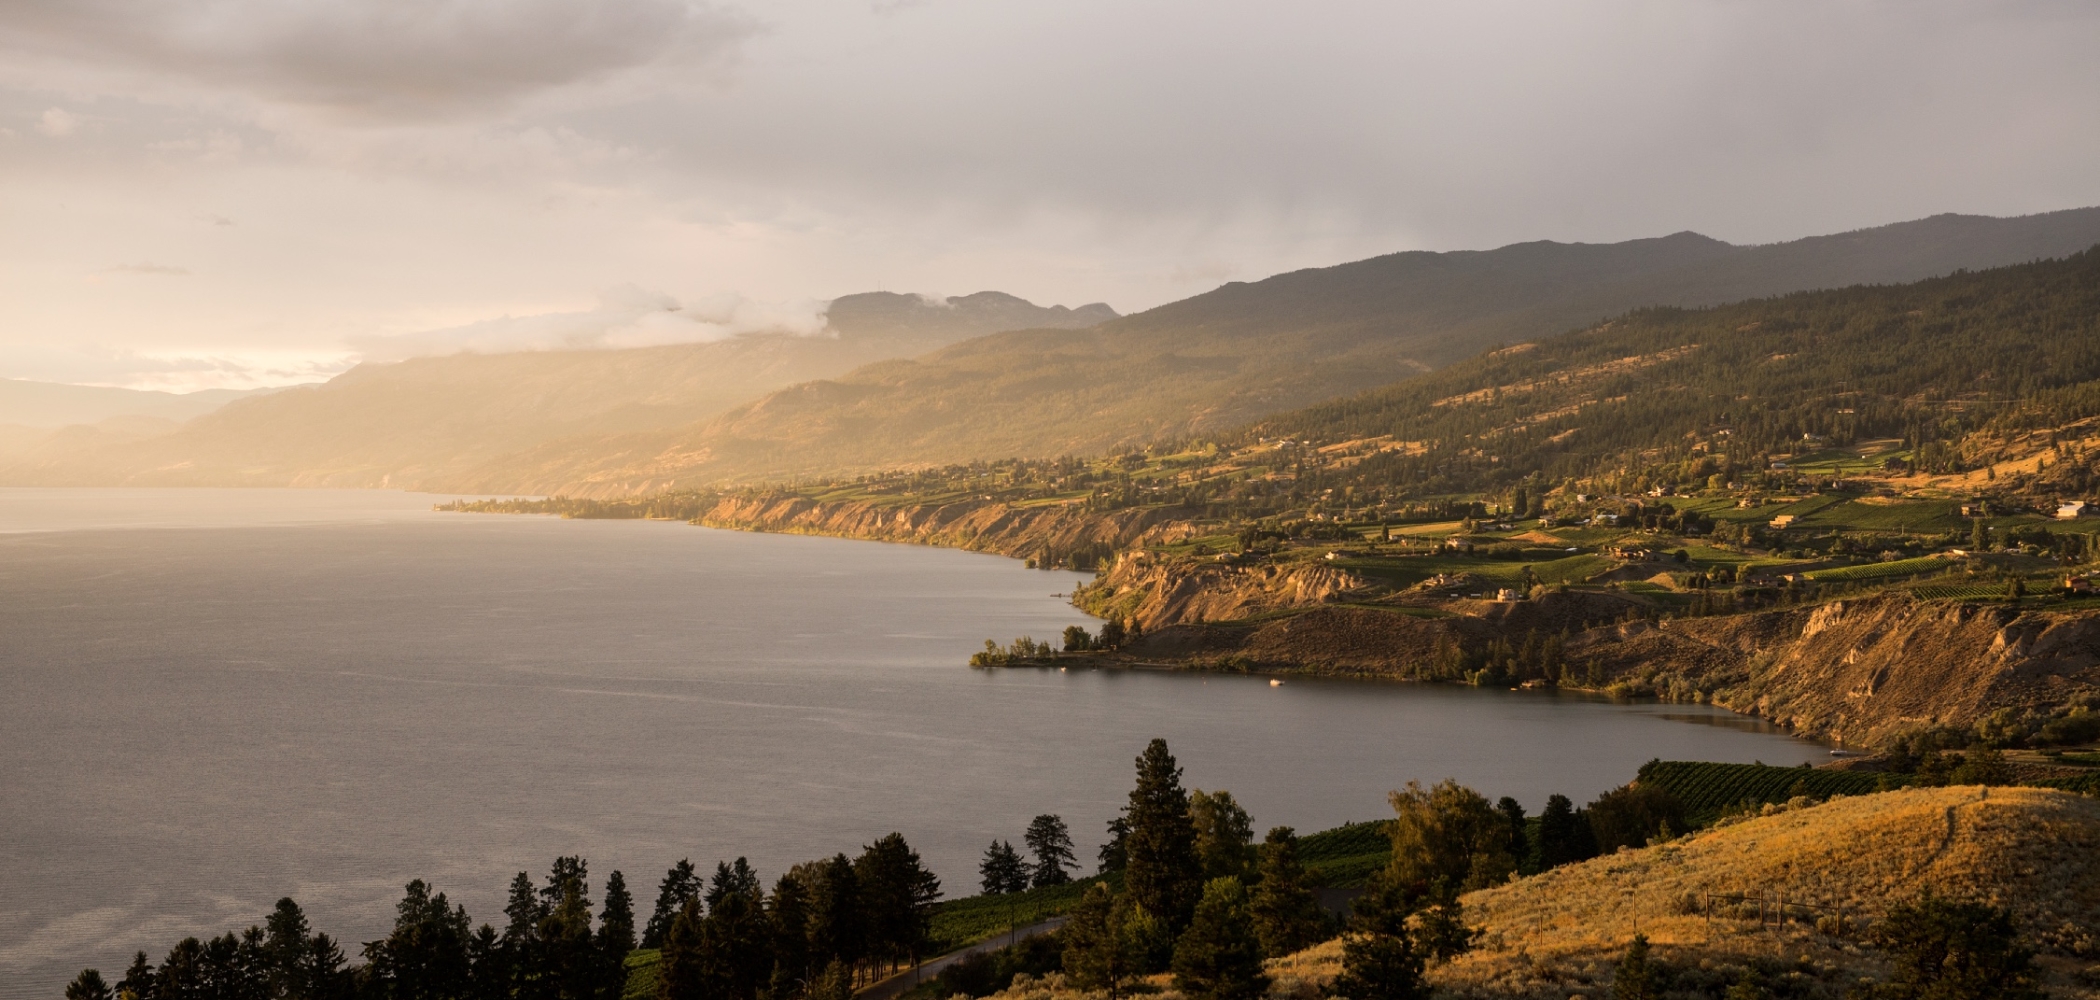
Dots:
pixel 897 984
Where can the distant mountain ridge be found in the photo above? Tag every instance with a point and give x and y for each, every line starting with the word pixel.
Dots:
pixel 1245 351
pixel 424 421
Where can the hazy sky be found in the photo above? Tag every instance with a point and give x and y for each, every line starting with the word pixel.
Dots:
pixel 236 192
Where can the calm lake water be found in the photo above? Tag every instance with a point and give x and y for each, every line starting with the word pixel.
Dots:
pixel 216 698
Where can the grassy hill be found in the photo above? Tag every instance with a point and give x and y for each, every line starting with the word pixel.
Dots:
pixel 425 420
pixel 1244 351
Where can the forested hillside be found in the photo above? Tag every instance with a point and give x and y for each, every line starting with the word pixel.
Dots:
pixel 1244 351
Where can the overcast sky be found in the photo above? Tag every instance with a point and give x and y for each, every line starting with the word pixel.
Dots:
pixel 240 192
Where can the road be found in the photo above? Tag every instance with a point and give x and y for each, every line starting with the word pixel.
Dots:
pixel 899 983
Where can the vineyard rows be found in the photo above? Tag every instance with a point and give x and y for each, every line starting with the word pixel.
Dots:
pixel 1707 788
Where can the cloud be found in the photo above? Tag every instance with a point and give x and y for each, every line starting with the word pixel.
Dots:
pixel 162 269
pixel 627 316
pixel 375 59
pixel 57 123
pixel 170 371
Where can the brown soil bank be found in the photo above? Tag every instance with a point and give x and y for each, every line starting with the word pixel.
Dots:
pixel 1847 670
pixel 1051 534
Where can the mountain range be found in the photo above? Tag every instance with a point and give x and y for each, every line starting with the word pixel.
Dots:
pixel 906 382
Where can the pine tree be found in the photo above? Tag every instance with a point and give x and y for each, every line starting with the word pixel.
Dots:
pixel 615 936
pixel 1381 967
pixel 837 927
pixel 1557 844
pixel 1163 873
pixel 1513 812
pixel 787 916
pixel 1002 870
pixel 897 894
pixel 569 957
pixel 681 883
pixel 731 878
pixel 1114 855
pixel 138 979
pixel 1095 954
pixel 88 986
pixel 1287 916
pixel 1051 842
pixel 1219 956
pixel 736 960
pixel 426 954
pixel 1942 949
pixel 1634 980
pixel 680 974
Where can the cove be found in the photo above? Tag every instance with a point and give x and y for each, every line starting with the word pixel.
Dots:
pixel 216 698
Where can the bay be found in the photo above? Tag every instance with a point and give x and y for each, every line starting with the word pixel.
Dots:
pixel 215 698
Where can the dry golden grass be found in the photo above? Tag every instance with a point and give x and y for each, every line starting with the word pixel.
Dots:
pixel 2032 850
pixel 1560 934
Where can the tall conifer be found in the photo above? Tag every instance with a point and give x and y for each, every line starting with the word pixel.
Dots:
pixel 1162 873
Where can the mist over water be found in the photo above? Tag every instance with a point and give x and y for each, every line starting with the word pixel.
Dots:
pixel 216 698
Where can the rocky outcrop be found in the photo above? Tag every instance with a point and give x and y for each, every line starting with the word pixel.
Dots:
pixel 1854 671
pixel 1157 592
pixel 1051 534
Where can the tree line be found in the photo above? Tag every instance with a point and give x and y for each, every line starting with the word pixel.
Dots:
pixel 827 927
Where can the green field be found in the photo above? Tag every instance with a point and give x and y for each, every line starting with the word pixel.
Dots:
pixel 970 919
pixel 1881 571
pixel 1347 856
pixel 1709 789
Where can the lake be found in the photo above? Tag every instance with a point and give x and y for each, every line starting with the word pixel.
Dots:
pixel 216 698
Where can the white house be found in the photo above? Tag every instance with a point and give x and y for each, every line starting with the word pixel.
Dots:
pixel 2077 509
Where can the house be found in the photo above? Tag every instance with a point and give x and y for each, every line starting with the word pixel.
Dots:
pixel 1783 521
pixel 1506 594
pixel 1633 553
pixel 2076 509
pixel 2078 583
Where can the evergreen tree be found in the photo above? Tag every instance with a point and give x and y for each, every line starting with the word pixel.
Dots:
pixel 1163 873
pixel 138 979
pixel 569 967
pixel 897 896
pixel 1519 842
pixel 1224 835
pixel 1219 956
pixel 680 974
pixel 736 960
pixel 88 986
pixel 1381 966
pixel 836 983
pixel 837 931
pixel 1096 956
pixel 425 955
pixel 1634 980
pixel 787 916
pixel 1114 855
pixel 733 878
pixel 1051 842
pixel 681 883
pixel 1002 870
pixel 615 935
pixel 1941 949
pixel 1287 917
pixel 1558 843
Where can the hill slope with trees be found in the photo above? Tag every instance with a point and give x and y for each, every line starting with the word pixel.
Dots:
pixel 1244 351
